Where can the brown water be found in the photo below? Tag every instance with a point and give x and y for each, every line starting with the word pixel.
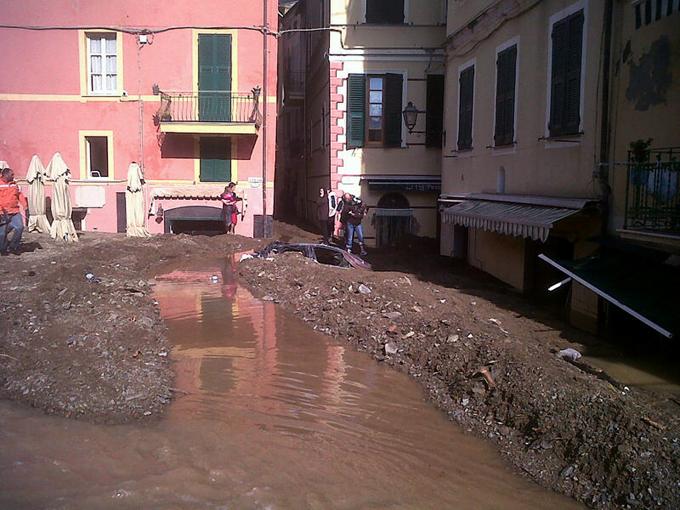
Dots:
pixel 276 416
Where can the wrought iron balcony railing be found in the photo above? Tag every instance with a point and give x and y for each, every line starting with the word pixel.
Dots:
pixel 210 106
pixel 653 192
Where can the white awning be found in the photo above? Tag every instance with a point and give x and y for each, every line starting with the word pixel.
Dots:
pixel 505 218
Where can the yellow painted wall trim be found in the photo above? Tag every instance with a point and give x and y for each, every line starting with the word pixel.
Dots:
pixel 209 128
pixel 82 144
pixel 234 161
pixel 197 159
pixel 156 182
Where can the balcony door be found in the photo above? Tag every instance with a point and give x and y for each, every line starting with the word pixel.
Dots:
pixel 214 77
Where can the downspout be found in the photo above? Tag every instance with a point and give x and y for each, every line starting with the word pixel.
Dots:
pixel 265 71
pixel 603 170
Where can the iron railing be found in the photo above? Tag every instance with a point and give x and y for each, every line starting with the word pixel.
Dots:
pixel 209 106
pixel 653 191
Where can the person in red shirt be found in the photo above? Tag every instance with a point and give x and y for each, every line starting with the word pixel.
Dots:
pixel 230 207
pixel 11 220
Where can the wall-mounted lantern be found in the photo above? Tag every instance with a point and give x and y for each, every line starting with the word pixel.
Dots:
pixel 410 114
pixel 156 89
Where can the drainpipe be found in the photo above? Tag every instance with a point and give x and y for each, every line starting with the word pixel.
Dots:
pixel 265 71
pixel 603 170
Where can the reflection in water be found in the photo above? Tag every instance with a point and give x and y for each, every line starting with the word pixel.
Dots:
pixel 274 416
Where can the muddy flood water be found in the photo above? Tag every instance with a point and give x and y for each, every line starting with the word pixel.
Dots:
pixel 271 415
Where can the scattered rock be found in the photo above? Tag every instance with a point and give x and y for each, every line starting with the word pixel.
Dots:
pixel 363 289
pixel 391 348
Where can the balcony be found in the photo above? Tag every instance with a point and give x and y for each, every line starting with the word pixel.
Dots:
pixel 209 113
pixel 653 193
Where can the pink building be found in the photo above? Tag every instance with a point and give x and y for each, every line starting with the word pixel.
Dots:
pixel 179 87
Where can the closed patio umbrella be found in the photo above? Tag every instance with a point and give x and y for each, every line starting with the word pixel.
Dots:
pixel 36 176
pixel 62 226
pixel 134 202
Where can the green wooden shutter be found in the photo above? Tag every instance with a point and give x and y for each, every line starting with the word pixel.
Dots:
pixel 215 159
pixel 385 11
pixel 558 77
pixel 565 88
pixel 465 108
pixel 434 116
pixel 393 106
pixel 572 107
pixel 214 77
pixel 505 96
pixel 356 110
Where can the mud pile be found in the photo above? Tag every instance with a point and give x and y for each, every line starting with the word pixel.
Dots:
pixel 568 426
pixel 80 333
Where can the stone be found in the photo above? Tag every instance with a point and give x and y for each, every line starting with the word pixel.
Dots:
pixel 363 289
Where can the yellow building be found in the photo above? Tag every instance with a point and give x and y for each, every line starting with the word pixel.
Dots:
pixel 368 61
pixel 542 101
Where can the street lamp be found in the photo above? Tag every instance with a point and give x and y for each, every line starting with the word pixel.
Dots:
pixel 410 114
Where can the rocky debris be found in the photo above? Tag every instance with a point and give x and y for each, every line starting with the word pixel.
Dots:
pixel 563 424
pixel 80 333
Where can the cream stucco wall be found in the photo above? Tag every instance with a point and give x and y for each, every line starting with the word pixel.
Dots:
pixel 499 255
pixel 532 165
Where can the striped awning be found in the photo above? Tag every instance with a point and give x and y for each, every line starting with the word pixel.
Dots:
pixel 401 213
pixel 520 220
pixel 189 192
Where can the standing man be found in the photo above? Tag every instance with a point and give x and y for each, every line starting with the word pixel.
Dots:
pixel 10 217
pixel 333 206
pixel 353 212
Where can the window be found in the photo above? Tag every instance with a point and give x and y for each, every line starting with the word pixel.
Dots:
pixel 466 86
pixel 215 163
pixel 385 11
pixel 647 11
pixel 565 79
pixel 374 104
pixel 102 64
pixel 376 117
pixel 506 75
pixel 434 114
pixel 97 157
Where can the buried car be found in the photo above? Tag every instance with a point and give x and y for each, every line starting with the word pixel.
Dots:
pixel 322 253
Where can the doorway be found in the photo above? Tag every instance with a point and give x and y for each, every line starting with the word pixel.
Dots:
pixel 393 220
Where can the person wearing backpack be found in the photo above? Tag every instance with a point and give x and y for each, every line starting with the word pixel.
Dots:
pixel 353 212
